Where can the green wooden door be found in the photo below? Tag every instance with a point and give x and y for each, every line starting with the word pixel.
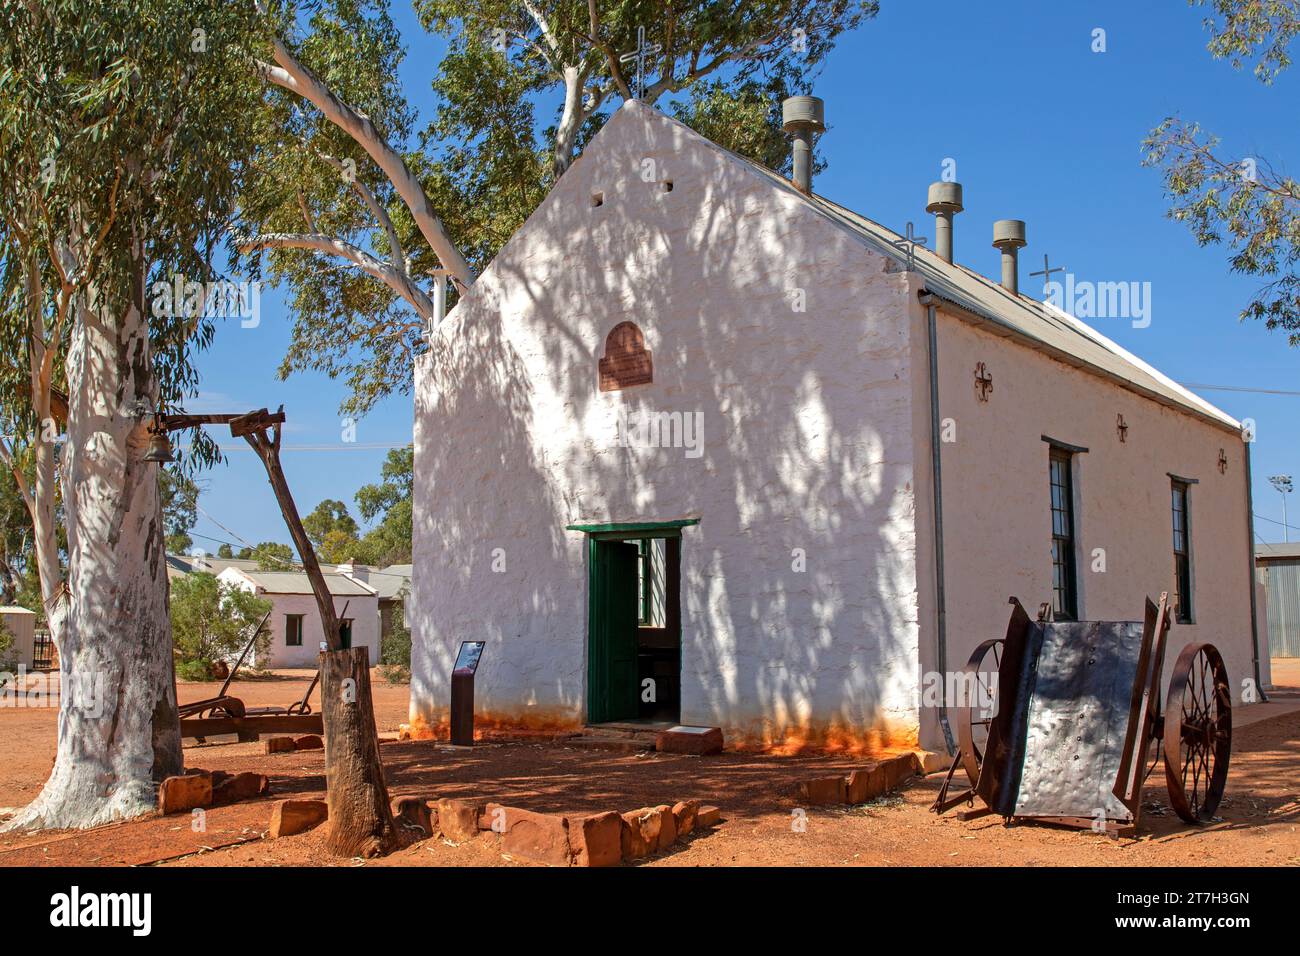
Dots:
pixel 612 624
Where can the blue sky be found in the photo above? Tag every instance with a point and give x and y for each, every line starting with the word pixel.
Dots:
pixel 1041 128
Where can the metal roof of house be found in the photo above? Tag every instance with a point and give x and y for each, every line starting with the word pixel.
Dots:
pixel 390 581
pixel 1036 324
pixel 190 563
pixel 1267 552
pixel 297 582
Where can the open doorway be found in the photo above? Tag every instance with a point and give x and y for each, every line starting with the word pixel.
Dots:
pixel 634 628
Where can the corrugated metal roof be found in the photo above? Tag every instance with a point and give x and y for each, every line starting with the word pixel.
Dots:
pixel 390 581
pixel 296 582
pixel 1265 552
pixel 1037 324
pixel 190 563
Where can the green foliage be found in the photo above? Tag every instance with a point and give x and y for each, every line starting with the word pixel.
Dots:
pixel 1258 218
pixel 395 651
pixel 1256 29
pixel 270 556
pixel 335 534
pixel 125 132
pixel 745 118
pixel 180 502
pixel 19 581
pixel 389 500
pixel 330 515
pixel 8 660
pixel 211 621
pixel 1242 202
pixel 225 551
pixel 521 90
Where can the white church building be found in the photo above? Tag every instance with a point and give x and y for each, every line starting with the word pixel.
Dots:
pixel 678 442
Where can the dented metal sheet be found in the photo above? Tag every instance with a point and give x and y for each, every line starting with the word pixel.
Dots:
pixel 1078 713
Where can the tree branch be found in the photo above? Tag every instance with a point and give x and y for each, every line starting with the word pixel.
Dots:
pixel 611 55
pixel 377 210
pixel 316 242
pixel 297 78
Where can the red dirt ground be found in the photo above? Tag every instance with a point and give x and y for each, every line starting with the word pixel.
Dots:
pixel 1260 813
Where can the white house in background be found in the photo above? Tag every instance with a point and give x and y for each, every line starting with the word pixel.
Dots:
pixel 393 586
pixel 684 428
pixel 296 631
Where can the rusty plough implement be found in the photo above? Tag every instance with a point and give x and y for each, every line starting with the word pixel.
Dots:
pixel 225 714
pixel 1071 724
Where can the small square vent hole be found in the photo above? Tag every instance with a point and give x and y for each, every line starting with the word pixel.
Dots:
pixel 597 199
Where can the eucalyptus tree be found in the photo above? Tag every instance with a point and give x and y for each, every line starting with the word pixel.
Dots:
pixel 1244 202
pixel 123 141
pixel 346 209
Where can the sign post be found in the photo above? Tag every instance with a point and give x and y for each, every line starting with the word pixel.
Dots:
pixel 462 693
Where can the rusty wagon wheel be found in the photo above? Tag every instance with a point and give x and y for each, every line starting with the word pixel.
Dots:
pixel 1197 732
pixel 978 705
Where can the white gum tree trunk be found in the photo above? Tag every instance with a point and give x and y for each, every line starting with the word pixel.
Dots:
pixel 118 728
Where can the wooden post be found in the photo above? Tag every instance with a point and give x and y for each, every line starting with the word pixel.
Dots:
pixel 269 451
pixel 360 820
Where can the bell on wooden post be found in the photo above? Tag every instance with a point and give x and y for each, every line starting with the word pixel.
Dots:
pixel 160 448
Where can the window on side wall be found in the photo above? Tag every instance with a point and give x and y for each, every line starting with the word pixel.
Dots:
pixel 1065 599
pixel 293 630
pixel 1182 526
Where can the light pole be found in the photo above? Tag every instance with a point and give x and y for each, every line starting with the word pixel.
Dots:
pixel 1283 485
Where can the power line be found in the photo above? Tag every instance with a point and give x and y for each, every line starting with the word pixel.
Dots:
pixel 1239 388
pixel 1290 527
pixel 341 446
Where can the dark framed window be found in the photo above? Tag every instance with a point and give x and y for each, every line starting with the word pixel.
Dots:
pixel 1065 593
pixel 646 572
pixel 293 630
pixel 1182 526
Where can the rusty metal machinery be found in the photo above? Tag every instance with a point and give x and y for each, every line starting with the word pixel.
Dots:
pixel 1062 722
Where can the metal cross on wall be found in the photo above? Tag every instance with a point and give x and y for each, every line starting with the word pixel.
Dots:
pixel 909 242
pixel 1047 273
pixel 983 382
pixel 1121 427
pixel 638 56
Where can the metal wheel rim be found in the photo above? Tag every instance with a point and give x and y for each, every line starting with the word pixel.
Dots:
pixel 1197 733
pixel 973 722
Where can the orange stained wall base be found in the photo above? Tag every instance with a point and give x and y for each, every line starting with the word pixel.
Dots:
pixel 757 736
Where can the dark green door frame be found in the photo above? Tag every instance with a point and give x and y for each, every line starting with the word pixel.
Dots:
pixel 613 689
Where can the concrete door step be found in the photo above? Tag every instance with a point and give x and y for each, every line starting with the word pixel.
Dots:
pixel 624 741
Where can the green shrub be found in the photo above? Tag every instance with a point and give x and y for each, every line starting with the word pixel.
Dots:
pixel 211 621
pixel 9 660
pixel 395 651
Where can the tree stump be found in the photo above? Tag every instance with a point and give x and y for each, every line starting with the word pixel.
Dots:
pixel 360 817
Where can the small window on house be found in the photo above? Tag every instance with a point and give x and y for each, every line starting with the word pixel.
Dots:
pixel 293 630
pixel 1065 601
pixel 1182 554
pixel 645 572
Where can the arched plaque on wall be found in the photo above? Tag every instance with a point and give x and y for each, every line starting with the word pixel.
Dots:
pixel 627 360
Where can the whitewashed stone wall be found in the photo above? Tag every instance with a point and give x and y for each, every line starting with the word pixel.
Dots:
pixel 806 423
pixel 997 521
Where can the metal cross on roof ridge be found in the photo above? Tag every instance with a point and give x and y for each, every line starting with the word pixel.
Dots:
pixel 639 55
pixel 1046 272
pixel 909 242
